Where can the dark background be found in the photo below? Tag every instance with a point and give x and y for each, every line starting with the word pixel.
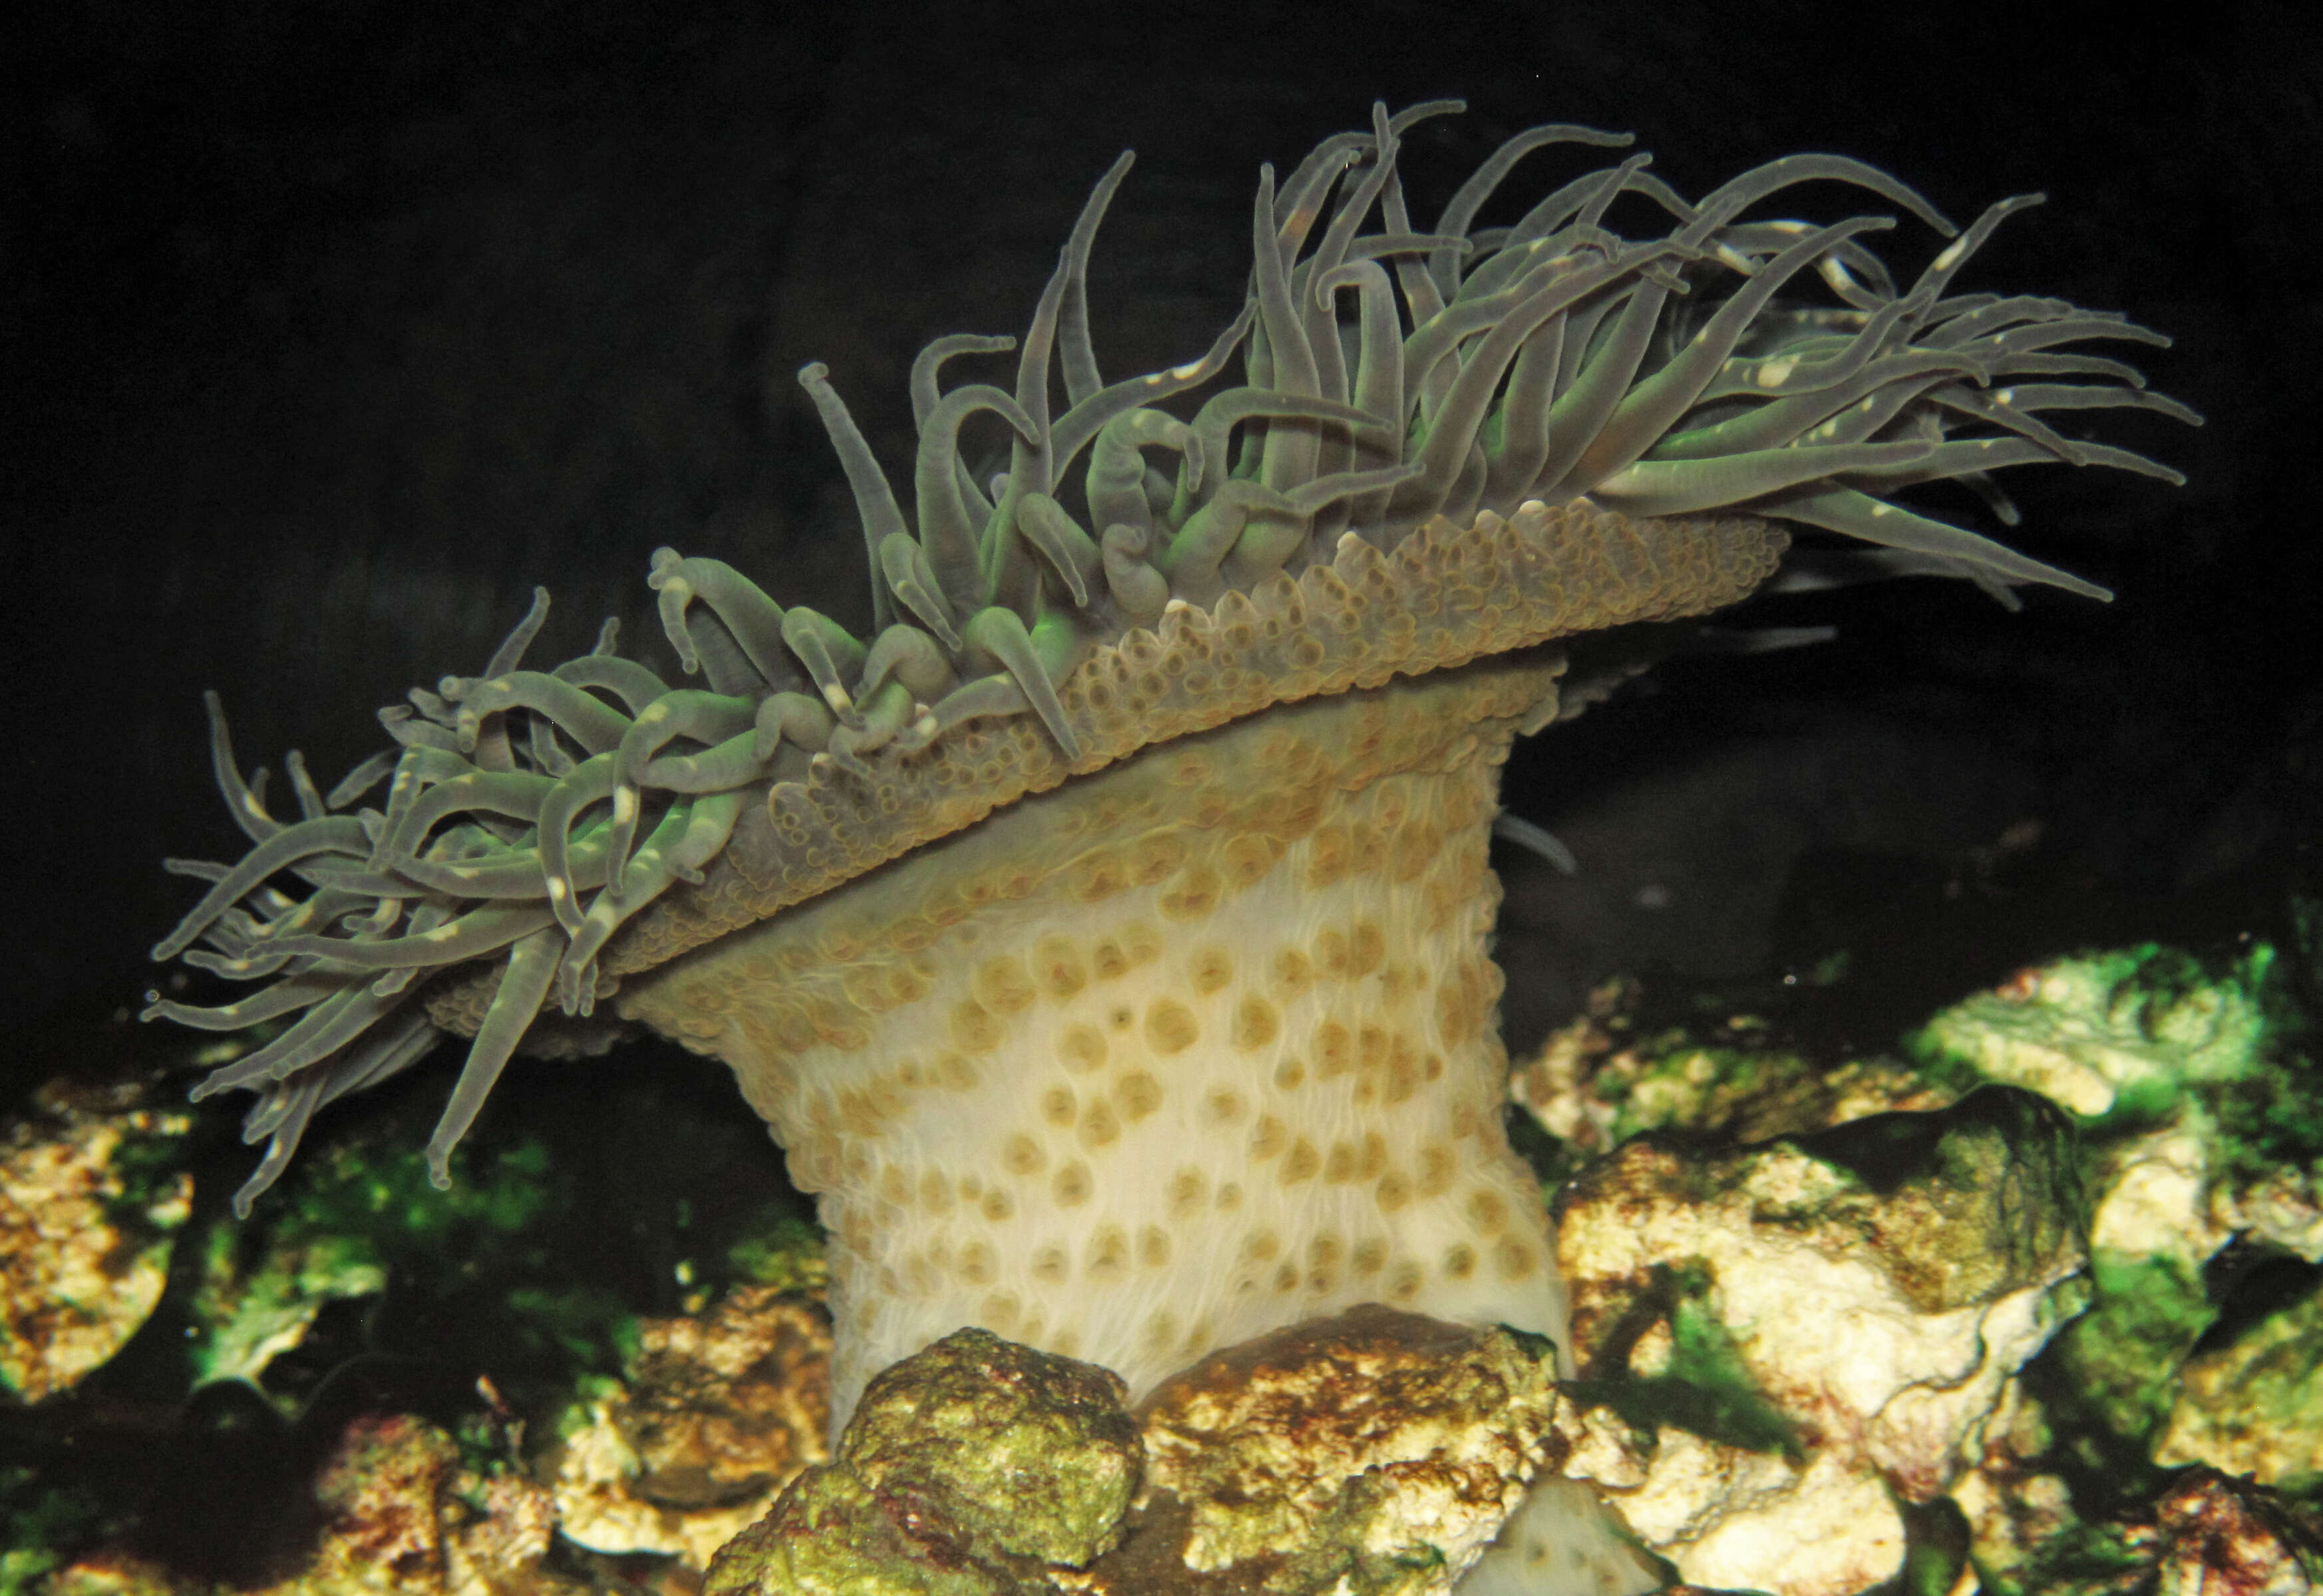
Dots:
pixel 329 330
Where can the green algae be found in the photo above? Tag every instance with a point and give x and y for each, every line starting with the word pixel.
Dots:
pixel 2121 1357
pixel 365 1213
pixel 1705 1386
pixel 2116 1037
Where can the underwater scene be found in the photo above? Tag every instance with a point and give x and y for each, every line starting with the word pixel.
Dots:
pixel 1010 800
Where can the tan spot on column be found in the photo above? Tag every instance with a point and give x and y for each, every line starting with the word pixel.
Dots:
pixel 1171 1026
pixel 1223 1105
pixel 1071 1184
pixel 1051 1266
pixel 1152 1247
pixel 1108 1255
pixel 1339 1164
pixel 1138 1094
pixel 1370 1256
pixel 1393 1191
pixel 997 1206
pixel 1488 1212
pixel 1190 1189
pixel 1366 947
pixel 1331 952
pixel 1294 972
pixel 1437 1164
pixel 1058 968
pixel 1210 968
pixel 1256 1023
pixel 1059 1106
pixel 1229 1195
pixel 1001 985
pixel 1160 1330
pixel 974 1029
pixel 957 1074
pixel 1334 1050
pixel 1459 1260
pixel 1100 1126
pixel 1512 1258
pixel 1268 1137
pixel 1289 1074
pixel 1247 858
pixel 1021 1155
pixel 979 1265
pixel 1193 895
pixel 1301 1163
pixel 1080 1047
pixel 1403 1282
pixel 1153 859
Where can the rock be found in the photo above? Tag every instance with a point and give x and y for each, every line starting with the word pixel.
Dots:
pixel 1374 1454
pixel 1810 1325
pixel 2025 1537
pixel 1596 1082
pixel 965 1470
pixel 402 1515
pixel 90 1199
pixel 2254 1406
pixel 2202 1126
pixel 1371 1453
pixel 714 1414
pixel 2225 1538
pixel 2088 1032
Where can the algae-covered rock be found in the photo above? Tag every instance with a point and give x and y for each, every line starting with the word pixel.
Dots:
pixel 713 1414
pixel 1370 1453
pixel 2203 1126
pixel 1814 1326
pixel 2111 1031
pixel 91 1197
pixel 2254 1406
pixel 966 1468
pixel 1602 1080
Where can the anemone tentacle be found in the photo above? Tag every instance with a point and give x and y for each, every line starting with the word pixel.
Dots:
pixel 1481 449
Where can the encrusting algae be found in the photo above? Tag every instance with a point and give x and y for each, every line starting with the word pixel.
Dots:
pixel 1105 938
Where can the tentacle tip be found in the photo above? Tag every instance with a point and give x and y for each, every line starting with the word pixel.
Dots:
pixel 439 1168
pixel 813 374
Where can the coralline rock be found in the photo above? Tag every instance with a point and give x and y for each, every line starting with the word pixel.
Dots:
pixel 966 1470
pixel 88 1205
pixel 1815 1323
pixel 1371 1453
pixel 715 1413
pixel 2254 1406
pixel 2225 1537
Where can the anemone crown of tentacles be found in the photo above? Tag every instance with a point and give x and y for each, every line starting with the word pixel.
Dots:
pixel 1404 392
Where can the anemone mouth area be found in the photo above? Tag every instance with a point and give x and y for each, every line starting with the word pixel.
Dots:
pixel 1168 1057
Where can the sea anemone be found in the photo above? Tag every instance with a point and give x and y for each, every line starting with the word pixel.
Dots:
pixel 1105 937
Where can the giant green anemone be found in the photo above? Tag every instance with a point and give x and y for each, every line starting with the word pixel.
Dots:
pixel 1105 935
